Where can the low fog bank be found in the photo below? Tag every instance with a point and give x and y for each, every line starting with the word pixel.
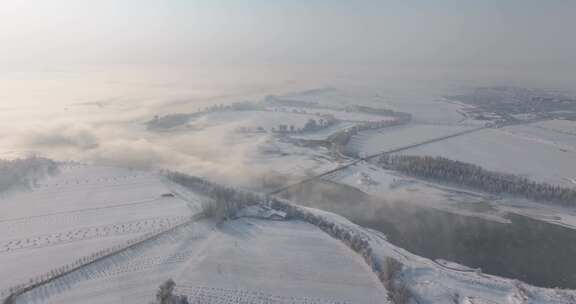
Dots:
pixel 216 153
pixel 97 115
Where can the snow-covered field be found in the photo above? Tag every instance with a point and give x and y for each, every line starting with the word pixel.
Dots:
pixel 563 139
pixel 376 141
pixel 243 261
pixel 445 282
pixel 78 212
pixel 336 97
pixel 247 260
pixel 338 114
pixel 85 209
pixel 426 108
pixel 285 158
pixel 291 261
pixel 507 151
pixel 427 111
pixel 324 133
pixel 252 119
pixel 397 187
pixel 562 126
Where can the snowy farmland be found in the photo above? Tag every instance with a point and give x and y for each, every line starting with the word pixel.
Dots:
pixel 335 97
pixel 252 119
pixel 351 116
pixel 78 212
pixel 247 260
pixel 547 134
pixel 381 140
pixel 324 133
pixel 287 159
pixel 422 103
pixel 397 187
pixel 559 125
pixel 426 111
pixel 244 261
pixel 507 151
pixel 86 209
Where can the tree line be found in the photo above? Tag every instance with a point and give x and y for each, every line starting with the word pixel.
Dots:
pixel 24 172
pixel 474 176
pixel 224 201
pixel 388 269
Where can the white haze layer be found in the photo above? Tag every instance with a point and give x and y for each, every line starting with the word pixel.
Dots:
pixel 97 114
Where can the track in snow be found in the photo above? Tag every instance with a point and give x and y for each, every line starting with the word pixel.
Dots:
pixel 84 233
pixel 216 295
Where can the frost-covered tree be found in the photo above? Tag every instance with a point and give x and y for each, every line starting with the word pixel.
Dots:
pixel 24 172
pixel 224 201
pixel 470 175
pixel 311 125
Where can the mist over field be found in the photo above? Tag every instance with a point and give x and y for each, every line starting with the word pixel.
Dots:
pixel 97 115
pixel 201 151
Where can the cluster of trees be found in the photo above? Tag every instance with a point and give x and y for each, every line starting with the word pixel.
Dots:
pixel 474 176
pixel 165 294
pixel 169 121
pixel 310 126
pixel 24 172
pixel 387 269
pixel 174 120
pixel 236 106
pixel 225 201
pixel 379 111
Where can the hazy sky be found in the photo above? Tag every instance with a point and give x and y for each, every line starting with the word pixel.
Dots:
pixel 514 33
pixel 100 67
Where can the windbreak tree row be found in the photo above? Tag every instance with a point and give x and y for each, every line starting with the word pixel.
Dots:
pixel 474 176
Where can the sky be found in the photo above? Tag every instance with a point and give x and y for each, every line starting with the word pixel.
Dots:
pixel 516 34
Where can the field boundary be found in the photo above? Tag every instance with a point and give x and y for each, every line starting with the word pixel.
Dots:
pixel 101 255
